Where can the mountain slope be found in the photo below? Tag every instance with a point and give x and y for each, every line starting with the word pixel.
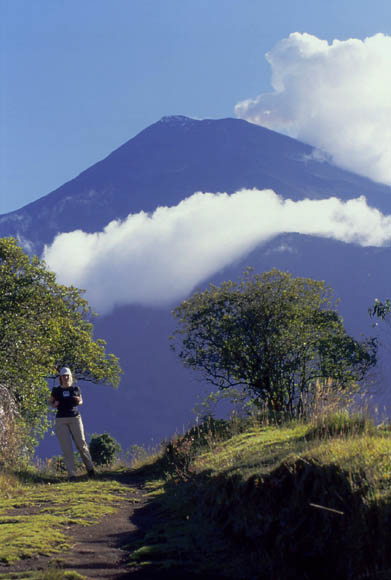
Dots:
pixel 176 157
pixel 161 166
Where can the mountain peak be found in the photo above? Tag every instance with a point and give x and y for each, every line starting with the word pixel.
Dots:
pixel 177 120
pixel 175 157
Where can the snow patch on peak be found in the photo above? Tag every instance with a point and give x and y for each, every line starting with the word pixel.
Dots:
pixel 177 120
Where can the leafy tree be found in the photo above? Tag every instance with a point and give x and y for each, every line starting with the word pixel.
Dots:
pixel 43 326
pixel 274 335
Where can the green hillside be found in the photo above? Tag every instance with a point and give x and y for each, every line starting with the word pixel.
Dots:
pixel 229 499
pixel 299 501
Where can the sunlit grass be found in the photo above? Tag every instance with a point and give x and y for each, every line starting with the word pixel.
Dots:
pixel 270 497
pixel 368 456
pixel 251 503
pixel 34 518
pixel 258 450
pixel 51 573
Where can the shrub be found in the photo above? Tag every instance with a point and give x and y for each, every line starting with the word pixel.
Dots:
pixel 181 451
pixel 56 464
pixel 104 449
pixel 136 454
pixel 179 456
pixel 209 431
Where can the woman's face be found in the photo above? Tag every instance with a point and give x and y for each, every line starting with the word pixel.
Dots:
pixel 66 380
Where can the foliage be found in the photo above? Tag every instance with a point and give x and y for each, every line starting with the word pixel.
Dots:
pixel 235 399
pixel 43 326
pixel 11 432
pixel 56 464
pixel 273 335
pixel 104 449
pixel 179 455
pixel 380 309
pixel 181 451
pixel 136 454
pixel 209 431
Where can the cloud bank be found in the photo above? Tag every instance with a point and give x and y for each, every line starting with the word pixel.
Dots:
pixel 157 259
pixel 336 97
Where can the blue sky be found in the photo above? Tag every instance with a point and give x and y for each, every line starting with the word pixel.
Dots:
pixel 79 78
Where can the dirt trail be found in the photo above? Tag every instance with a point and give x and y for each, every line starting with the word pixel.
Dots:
pixel 99 551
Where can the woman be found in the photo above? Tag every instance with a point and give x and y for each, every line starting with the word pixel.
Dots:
pixel 66 398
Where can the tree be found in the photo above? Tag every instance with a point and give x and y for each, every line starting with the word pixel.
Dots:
pixel 273 335
pixel 43 326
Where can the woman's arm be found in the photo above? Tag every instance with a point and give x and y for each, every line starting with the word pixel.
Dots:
pixel 77 398
pixel 54 403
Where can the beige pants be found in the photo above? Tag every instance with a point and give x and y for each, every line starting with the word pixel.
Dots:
pixel 68 428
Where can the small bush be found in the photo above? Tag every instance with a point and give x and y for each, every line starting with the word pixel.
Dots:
pixel 104 449
pixel 179 455
pixel 136 454
pixel 209 431
pixel 181 451
pixel 56 464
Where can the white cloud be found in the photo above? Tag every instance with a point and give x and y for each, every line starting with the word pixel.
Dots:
pixel 336 97
pixel 160 258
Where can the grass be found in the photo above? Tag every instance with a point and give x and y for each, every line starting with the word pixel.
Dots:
pixel 275 502
pixel 35 518
pixel 256 451
pixel 52 573
pixel 236 501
